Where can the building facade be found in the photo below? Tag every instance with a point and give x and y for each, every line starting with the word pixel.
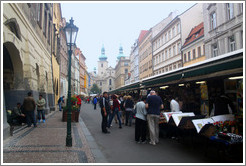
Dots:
pixel 223 28
pixel 27 29
pixel 63 59
pixel 145 56
pixel 193 50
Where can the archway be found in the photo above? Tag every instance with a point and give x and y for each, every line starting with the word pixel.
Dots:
pixel 12 75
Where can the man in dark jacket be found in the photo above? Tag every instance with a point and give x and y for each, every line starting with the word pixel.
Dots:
pixel 17 115
pixel 29 107
pixel 221 105
pixel 104 104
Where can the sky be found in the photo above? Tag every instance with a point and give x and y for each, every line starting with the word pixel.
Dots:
pixel 113 24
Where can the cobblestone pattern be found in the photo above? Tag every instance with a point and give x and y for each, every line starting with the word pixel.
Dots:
pixel 47 144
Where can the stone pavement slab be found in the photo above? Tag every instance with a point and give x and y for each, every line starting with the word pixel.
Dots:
pixel 47 143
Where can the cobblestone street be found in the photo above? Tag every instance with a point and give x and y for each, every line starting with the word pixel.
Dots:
pixel 47 144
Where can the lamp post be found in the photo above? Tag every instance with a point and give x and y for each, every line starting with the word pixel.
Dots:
pixel 71 35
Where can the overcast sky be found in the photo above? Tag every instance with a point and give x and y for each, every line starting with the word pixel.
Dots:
pixel 114 23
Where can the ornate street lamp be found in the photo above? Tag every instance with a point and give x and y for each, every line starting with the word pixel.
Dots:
pixel 71 35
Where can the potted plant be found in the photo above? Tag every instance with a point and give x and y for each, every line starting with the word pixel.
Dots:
pixel 74 111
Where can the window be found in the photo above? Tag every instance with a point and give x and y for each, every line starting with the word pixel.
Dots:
pixel 101 64
pixel 179 65
pixel 241 7
pixel 100 83
pixel 39 13
pixel 162 56
pixel 232 44
pixel 229 8
pixel 169 35
pixel 170 67
pixel 170 52
pixel 214 50
pixel 126 71
pixel 194 54
pixel 184 57
pixel 162 39
pixel 165 37
pixel 110 88
pixel 166 54
pixel 174 66
pixel 157 59
pixel 189 56
pixel 110 82
pixel 213 20
pixel 49 35
pixel 125 64
pixel 179 48
pixel 203 49
pixel 174 50
pixel 154 60
pixel 173 31
pixel 178 28
pixel 45 22
pixel 199 51
pixel 166 69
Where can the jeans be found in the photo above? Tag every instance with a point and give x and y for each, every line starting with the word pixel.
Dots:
pixel 115 112
pixel 104 122
pixel 95 106
pixel 30 118
pixel 153 123
pixel 60 106
pixel 140 130
pixel 41 113
pixel 129 115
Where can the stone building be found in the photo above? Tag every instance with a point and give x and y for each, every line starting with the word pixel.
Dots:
pixel 27 53
pixel 193 50
pixel 145 56
pixel 134 67
pixel 82 70
pixel 223 28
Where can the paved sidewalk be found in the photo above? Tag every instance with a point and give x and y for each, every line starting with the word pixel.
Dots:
pixel 47 144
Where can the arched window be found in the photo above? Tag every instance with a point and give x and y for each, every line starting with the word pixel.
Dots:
pixel 13 27
pixel 110 82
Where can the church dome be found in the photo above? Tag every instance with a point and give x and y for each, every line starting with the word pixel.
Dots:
pixel 103 57
pixel 120 53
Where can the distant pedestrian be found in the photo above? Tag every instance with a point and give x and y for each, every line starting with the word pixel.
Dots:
pixel 141 121
pixel 115 111
pixel 60 101
pixel 153 105
pixel 17 115
pixel 95 103
pixel 129 105
pixel 104 104
pixel 40 108
pixel 29 106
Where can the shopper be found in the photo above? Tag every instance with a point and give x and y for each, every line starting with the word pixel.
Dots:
pixel 40 108
pixel 104 104
pixel 29 107
pixel 129 105
pixel 174 105
pixel 95 103
pixel 60 101
pixel 141 123
pixel 153 105
pixel 115 111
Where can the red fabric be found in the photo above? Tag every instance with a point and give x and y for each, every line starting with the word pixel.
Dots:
pixel 116 104
pixel 79 101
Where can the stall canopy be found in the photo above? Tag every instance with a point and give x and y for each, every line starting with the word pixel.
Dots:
pixel 223 65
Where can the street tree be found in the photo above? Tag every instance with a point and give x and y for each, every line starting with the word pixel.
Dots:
pixel 95 89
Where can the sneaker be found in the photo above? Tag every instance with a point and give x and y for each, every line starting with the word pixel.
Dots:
pixel 152 143
pixel 43 121
pixel 39 121
pixel 120 127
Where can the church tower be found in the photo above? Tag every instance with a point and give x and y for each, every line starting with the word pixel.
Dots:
pixel 102 63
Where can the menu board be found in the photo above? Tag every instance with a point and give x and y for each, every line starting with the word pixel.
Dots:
pixel 167 115
pixel 177 117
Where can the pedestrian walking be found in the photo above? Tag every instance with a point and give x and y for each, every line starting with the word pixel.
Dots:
pixel 129 105
pixel 29 106
pixel 60 101
pixel 104 104
pixel 115 111
pixel 141 121
pixel 95 103
pixel 40 108
pixel 153 105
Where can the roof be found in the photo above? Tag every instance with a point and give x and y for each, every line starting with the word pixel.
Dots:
pixel 196 33
pixel 141 35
